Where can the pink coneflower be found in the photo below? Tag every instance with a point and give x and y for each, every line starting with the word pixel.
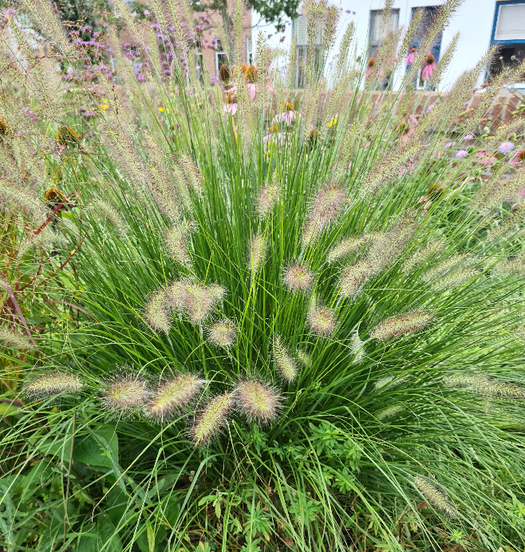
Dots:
pixel 461 153
pixel 230 109
pixel 251 90
pixel 411 56
pixel 371 63
pixel 429 68
pixel 505 147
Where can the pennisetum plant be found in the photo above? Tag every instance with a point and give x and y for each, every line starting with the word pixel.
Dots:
pixel 318 296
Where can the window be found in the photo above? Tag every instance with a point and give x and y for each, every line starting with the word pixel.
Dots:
pixel 509 33
pixel 379 28
pixel 300 32
pixel 220 57
pixel 249 56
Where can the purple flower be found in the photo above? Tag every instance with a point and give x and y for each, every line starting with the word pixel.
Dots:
pixel 282 39
pixel 146 12
pixel 468 137
pixel 461 153
pixel 505 147
pixel 215 80
pixel 449 144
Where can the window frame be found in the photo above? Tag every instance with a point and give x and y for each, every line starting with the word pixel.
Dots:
pixel 499 4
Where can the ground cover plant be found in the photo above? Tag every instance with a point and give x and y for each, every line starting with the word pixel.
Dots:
pixel 239 316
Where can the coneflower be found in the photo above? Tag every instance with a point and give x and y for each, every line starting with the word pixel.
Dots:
pixel 298 278
pixel 267 199
pixel 54 383
pixel 257 251
pixel 257 401
pixel 223 333
pixel 434 496
pixel 286 364
pixel 398 326
pixel 370 65
pixel 353 278
pixel 157 313
pixel 210 421
pixel 125 393
pixel 321 320
pixel 173 395
pixel 224 73
pixel 429 67
pixel 14 340
pixel 344 248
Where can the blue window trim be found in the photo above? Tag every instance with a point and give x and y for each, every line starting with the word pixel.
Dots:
pixel 500 3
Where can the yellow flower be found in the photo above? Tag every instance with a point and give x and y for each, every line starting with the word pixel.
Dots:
pixel 332 123
pixel 161 109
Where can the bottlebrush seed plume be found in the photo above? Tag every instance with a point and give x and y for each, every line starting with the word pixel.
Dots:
pixel 104 209
pixel 57 383
pixel 321 320
pixel 125 393
pixel 223 333
pixel 157 312
pixel 267 199
pixel 423 255
pixel 176 242
pixel 482 384
pixel 390 411
pixel 286 364
pixel 326 208
pixel 354 278
pixel 447 265
pixel 210 421
pixel 257 401
pixel 514 267
pixel 173 395
pixel 344 248
pixel 357 348
pixel 304 357
pixel 398 326
pixel 386 250
pixel 434 496
pixel 194 299
pixel 257 252
pixel 298 278
pixel 455 279
pixel 14 340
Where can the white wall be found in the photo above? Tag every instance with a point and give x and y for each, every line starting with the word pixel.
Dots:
pixel 473 20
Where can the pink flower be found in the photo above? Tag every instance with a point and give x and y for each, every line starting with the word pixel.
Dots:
pixel 410 58
pixel 231 109
pixel 251 90
pixel 468 137
pixel 286 116
pixel 449 144
pixel 427 71
pixel 486 158
pixel 461 153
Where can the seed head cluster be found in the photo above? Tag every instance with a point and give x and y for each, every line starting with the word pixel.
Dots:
pixel 423 255
pixel 13 339
pixel 345 248
pixel 482 384
pixel 257 251
pixel 55 383
pixel 286 364
pixel 326 209
pixel 157 312
pixel 177 242
pixel 126 394
pixel 298 278
pixel 434 496
pixel 195 300
pixel 321 320
pixel 257 401
pixel 212 418
pixel 223 333
pixel 354 278
pixel 398 326
pixel 173 395
pixel 268 197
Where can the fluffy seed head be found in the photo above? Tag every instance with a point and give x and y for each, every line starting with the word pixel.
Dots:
pixel 223 333
pixel 298 278
pixel 354 278
pixel 385 250
pixel 304 357
pixel 434 496
pixel 344 248
pixel 398 326
pixel 196 300
pixel 326 208
pixel 257 251
pixel 125 394
pixel 321 320
pixel 176 239
pixel 286 364
pixel 104 209
pixel 390 411
pixel 57 383
pixel 211 419
pixel 453 280
pixel 14 340
pixel 482 384
pixel 157 312
pixel 257 401
pixel 268 197
pixel 447 265
pixel 173 395
pixel 423 255
pixel 357 348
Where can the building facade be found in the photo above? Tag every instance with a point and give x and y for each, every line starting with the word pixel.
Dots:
pixel 480 24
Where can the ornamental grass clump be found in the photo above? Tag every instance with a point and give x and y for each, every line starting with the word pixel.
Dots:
pixel 325 336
